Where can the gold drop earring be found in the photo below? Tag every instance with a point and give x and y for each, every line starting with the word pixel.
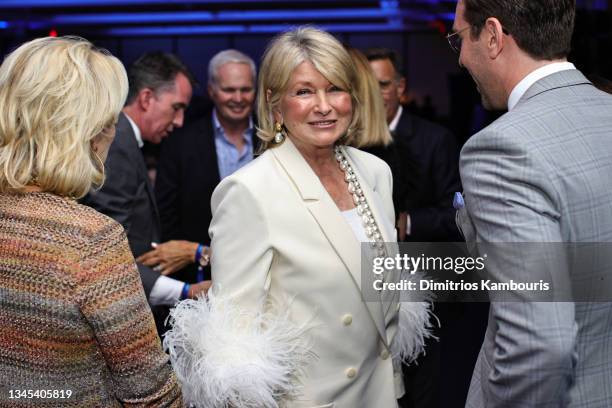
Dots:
pixel 279 137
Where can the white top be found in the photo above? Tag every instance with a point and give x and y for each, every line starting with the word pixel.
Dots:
pixel 354 220
pixel 522 87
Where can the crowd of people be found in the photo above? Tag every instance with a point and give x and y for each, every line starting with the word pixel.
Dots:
pixel 233 276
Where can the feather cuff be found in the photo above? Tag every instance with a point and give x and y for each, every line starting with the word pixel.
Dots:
pixel 224 356
pixel 414 326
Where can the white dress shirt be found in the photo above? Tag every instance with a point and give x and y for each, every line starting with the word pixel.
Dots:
pixel 522 87
pixel 396 118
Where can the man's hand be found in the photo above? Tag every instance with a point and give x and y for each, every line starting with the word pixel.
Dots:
pixel 199 289
pixel 401 226
pixel 170 256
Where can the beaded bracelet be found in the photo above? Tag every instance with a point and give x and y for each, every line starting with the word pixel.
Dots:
pixel 198 254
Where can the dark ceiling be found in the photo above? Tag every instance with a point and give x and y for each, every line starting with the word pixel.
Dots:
pixel 171 17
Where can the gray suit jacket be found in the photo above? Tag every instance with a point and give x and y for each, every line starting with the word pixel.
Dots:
pixel 127 196
pixel 542 173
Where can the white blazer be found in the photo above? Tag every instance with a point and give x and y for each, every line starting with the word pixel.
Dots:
pixel 277 234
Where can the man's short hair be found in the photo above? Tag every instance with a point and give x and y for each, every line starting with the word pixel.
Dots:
pixel 226 57
pixel 156 71
pixel 376 54
pixel 541 28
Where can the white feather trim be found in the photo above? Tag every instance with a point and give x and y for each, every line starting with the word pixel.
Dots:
pixel 224 356
pixel 414 326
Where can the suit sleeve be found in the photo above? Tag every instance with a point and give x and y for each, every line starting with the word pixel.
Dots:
pixel 240 244
pixel 437 221
pixel 246 348
pixel 510 201
pixel 167 187
pixel 111 299
pixel 116 199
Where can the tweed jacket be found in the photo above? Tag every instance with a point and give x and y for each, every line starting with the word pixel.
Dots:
pixel 76 327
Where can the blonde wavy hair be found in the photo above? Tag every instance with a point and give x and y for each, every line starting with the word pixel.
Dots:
pixel 57 95
pixel 283 55
pixel 374 121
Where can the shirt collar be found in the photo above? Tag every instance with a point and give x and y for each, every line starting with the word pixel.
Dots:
pixel 522 87
pixel 396 119
pixel 136 130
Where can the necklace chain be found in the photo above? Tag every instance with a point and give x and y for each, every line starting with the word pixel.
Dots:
pixel 363 208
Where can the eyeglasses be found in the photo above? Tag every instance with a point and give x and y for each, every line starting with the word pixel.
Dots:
pixel 454 39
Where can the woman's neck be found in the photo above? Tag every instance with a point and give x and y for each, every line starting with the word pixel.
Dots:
pixel 30 188
pixel 322 161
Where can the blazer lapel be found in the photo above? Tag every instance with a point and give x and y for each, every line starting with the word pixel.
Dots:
pixel 138 157
pixel 331 222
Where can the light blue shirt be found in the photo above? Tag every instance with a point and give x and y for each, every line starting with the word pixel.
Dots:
pixel 229 159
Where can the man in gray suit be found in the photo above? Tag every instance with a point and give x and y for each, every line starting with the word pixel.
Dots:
pixel 539 174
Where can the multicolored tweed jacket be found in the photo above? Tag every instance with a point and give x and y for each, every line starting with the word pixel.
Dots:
pixel 73 315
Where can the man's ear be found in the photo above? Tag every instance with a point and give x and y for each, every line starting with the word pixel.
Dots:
pixel 495 36
pixel 401 87
pixel 145 97
pixel 211 90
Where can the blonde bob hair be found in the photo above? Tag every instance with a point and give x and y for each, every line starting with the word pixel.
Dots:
pixel 283 55
pixel 57 95
pixel 374 121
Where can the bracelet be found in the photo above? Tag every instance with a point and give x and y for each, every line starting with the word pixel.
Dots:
pixel 185 291
pixel 198 254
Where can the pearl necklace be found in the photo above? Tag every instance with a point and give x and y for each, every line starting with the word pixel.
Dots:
pixel 363 208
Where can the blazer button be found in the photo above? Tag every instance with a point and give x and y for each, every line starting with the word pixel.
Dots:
pixel 351 372
pixel 384 355
pixel 347 319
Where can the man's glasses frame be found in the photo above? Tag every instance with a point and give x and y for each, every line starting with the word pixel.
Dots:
pixel 455 40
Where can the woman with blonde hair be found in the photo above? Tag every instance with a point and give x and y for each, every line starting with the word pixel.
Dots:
pixel 377 140
pixel 292 321
pixel 76 328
